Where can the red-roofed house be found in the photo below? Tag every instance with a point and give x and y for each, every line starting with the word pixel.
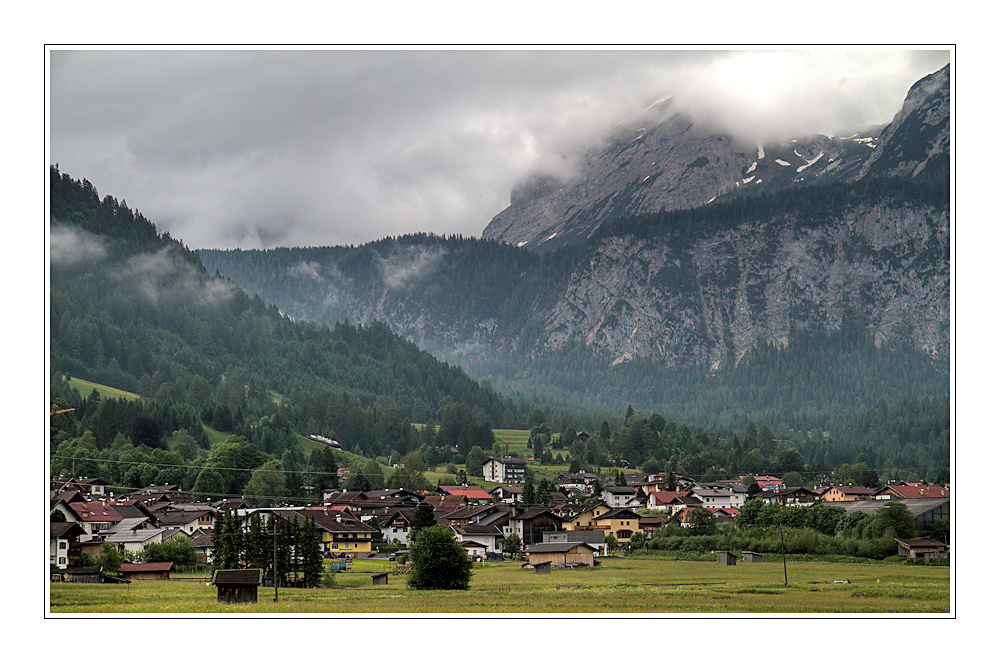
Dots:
pixel 95 517
pixel 471 493
pixel 912 491
pixel 660 499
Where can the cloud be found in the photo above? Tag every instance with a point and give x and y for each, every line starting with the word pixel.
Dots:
pixel 70 246
pixel 293 148
pixel 405 266
pixel 164 277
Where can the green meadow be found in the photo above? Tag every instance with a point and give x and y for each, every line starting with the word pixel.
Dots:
pixel 619 585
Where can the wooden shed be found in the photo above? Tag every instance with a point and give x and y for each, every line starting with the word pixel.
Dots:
pixel 543 567
pixel 751 556
pixel 238 585
pixel 83 574
pixel 561 553
pixel 921 548
pixel 725 558
pixel 380 579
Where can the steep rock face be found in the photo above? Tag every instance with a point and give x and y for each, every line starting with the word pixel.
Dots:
pixel 721 294
pixel 919 137
pixel 666 162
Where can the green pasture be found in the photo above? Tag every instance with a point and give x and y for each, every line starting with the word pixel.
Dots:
pixel 86 386
pixel 619 585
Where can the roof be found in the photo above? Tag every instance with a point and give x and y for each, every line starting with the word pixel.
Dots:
pixel 65 530
pixel 146 566
pixel 556 547
pixel 918 491
pixel 324 521
pixel 136 536
pixel 618 513
pixel 916 507
pixel 471 492
pixel 507 461
pixel 620 490
pixel 253 577
pixel 95 512
pixel 921 543
pixel 853 490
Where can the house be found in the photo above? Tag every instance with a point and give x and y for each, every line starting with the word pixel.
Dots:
pixel 147 571
pixel 584 519
pixel 912 491
pixel 621 523
pixel 532 524
pixel 134 541
pixel 921 548
pixel 795 495
pixel 767 482
pixel 62 536
pixel 504 470
pixel 620 497
pixel 185 519
pixel 716 498
pixel 561 553
pixel 847 494
pixel 507 494
pixel 485 536
pixel 396 525
pixel 95 517
pixel 660 499
pixel 580 482
pixel 650 524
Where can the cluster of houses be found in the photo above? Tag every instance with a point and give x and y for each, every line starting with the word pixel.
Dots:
pixel 571 528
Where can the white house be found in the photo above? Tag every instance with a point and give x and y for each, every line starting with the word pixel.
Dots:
pixel 620 497
pixel 504 470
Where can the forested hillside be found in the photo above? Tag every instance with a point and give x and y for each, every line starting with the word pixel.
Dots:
pixel 794 307
pixel 134 309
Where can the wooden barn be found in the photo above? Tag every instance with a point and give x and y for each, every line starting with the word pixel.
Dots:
pixel 147 571
pixel 751 556
pixel 238 585
pixel 561 553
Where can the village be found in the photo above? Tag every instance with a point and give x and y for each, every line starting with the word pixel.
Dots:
pixel 584 519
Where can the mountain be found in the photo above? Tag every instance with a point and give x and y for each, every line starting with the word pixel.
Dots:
pixel 135 309
pixel 821 285
pixel 664 161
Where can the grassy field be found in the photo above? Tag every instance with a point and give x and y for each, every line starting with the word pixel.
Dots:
pixel 619 585
pixel 86 386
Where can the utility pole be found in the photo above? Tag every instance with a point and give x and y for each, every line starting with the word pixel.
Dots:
pixel 781 529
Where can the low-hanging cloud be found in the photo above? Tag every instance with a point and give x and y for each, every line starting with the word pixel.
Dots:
pixel 312 148
pixel 164 277
pixel 71 246
pixel 406 266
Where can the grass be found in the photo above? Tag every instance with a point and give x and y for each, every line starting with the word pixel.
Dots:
pixel 620 585
pixel 86 386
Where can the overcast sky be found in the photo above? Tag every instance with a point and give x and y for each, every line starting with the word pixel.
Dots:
pixel 266 148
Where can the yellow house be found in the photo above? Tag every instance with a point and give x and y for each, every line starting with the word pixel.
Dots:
pixel 847 494
pixel 585 519
pixel 340 535
pixel 622 523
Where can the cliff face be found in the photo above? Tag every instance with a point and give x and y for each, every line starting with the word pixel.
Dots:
pixel 663 161
pixel 718 296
